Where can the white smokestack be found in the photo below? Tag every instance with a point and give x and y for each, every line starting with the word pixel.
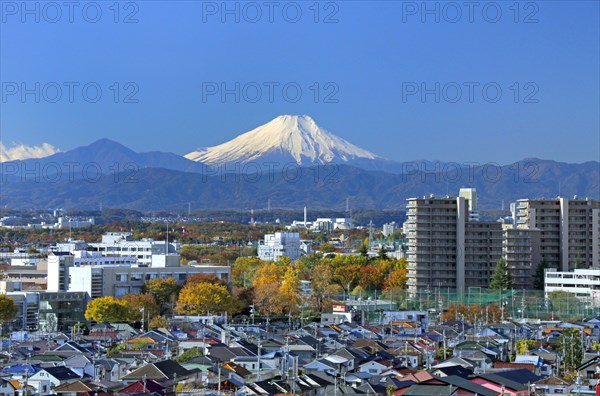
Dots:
pixel 305 216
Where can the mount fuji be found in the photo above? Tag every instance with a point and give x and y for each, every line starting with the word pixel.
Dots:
pixel 288 138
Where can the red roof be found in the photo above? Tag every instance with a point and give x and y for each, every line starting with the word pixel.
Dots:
pixel 138 387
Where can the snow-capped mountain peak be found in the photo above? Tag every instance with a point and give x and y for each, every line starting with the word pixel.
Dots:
pixel 285 138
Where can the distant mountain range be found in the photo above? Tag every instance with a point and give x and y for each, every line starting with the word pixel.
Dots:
pixel 290 161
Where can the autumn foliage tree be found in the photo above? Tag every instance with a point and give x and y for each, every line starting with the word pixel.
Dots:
pixel 397 277
pixel 201 278
pixel 158 321
pixel 164 291
pixel 204 298
pixel 473 312
pixel 107 309
pixel 242 271
pixel 135 303
pixel 267 296
pixel 322 285
pixel 290 290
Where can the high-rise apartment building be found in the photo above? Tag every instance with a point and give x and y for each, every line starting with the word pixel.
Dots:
pixel 470 194
pixel 569 230
pixel 446 248
pixel 520 249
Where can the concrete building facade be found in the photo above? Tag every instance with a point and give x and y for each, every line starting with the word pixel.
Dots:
pixel 584 283
pixel 520 249
pixel 122 244
pixel 280 244
pixel 569 230
pixel 116 280
pixel 445 248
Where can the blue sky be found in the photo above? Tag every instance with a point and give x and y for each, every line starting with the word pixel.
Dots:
pixel 364 65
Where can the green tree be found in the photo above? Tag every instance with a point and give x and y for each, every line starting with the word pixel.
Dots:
pixel 189 354
pixel 382 255
pixel 327 248
pixel 538 276
pixel 439 353
pixel 8 309
pixel 364 250
pixel 501 280
pixel 563 302
pixel 569 348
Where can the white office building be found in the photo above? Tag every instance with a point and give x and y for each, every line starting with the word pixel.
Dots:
pixel 67 273
pixel 280 244
pixel 122 244
pixel 584 283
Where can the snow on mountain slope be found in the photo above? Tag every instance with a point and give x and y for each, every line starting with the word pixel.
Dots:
pixel 286 138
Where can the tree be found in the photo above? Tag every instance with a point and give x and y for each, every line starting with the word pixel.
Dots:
pixel 8 309
pixel 327 248
pixel 563 302
pixel 442 353
pixel 136 302
pixel 370 277
pixel 398 276
pixel 501 280
pixel 523 346
pixel 290 289
pixel 267 291
pixel 471 312
pixel 158 322
pixel 107 309
pixel 346 275
pixel 538 277
pixel 243 270
pixel 569 347
pixel 382 255
pixel 204 298
pixel 189 354
pixel 267 299
pixel 199 278
pixel 321 284
pixel 364 250
pixel 164 290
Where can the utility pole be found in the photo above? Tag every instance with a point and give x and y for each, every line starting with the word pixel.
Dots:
pixel 219 378
pixel 259 353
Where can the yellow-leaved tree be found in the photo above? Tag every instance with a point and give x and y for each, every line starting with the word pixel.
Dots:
pixel 107 309
pixel 267 294
pixel 204 298
pixel 290 290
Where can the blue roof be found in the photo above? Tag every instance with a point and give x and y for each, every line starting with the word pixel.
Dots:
pixel 21 369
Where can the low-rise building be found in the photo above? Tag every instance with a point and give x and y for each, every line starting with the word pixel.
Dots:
pixel 583 283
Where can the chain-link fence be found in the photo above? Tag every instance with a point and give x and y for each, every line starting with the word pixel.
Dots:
pixel 513 304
